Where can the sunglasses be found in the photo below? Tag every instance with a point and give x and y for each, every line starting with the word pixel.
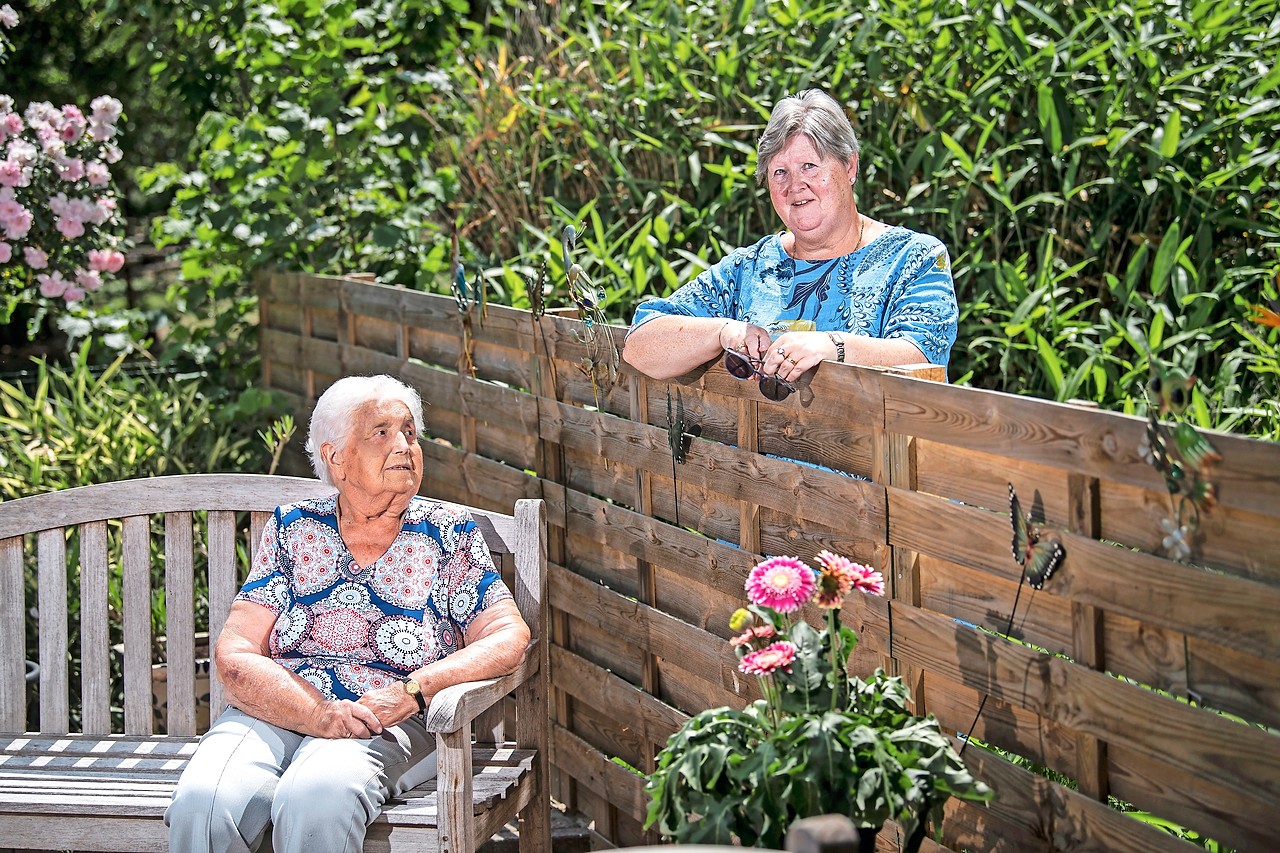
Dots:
pixel 771 387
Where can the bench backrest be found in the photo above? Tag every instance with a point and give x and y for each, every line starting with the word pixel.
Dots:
pixel 97 541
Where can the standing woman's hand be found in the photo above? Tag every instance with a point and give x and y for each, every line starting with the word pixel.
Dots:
pixel 795 352
pixel 741 336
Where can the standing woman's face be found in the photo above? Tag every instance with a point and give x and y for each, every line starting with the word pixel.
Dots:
pixel 813 196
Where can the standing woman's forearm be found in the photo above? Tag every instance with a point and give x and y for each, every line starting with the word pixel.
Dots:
pixel 673 345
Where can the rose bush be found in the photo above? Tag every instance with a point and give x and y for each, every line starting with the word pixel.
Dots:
pixel 59 219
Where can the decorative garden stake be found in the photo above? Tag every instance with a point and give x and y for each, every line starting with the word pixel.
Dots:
pixel 679 435
pixel 1038 552
pixel 819 742
pixel 1183 457
pixel 601 363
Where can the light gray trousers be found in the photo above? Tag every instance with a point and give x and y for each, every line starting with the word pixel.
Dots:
pixel 317 794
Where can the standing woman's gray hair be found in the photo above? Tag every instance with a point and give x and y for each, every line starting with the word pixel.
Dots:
pixel 335 412
pixel 815 114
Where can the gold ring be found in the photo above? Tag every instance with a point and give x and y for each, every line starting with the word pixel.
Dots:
pixel 791 361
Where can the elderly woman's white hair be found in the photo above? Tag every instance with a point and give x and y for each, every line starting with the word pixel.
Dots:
pixel 815 114
pixel 335 412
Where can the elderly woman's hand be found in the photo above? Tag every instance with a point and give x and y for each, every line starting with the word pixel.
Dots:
pixel 390 704
pixel 342 718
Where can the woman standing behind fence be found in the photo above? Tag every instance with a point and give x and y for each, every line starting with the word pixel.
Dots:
pixel 835 284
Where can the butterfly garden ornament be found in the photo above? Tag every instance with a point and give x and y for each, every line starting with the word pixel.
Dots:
pixel 1037 551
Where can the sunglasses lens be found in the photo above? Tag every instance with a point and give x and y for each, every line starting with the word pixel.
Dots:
pixel 772 389
pixel 737 365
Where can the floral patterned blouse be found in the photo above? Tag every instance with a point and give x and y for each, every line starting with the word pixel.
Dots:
pixel 349 629
pixel 897 286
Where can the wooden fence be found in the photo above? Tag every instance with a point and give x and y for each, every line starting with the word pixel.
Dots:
pixel 1130 677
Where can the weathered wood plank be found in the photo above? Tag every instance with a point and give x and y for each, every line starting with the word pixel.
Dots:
pixel 51 598
pixel 13 689
pixel 618 785
pixel 1074 439
pixel 1233 612
pixel 95 672
pixel 1093 703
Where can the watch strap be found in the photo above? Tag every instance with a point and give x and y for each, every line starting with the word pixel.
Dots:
pixel 839 342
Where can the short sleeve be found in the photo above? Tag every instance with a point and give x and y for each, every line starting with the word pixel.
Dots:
pixel 267 584
pixel 922 303
pixel 712 294
pixel 474 584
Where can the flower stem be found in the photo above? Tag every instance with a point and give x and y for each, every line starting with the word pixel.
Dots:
pixel 833 634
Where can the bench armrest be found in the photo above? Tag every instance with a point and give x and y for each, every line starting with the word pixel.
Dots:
pixel 456 706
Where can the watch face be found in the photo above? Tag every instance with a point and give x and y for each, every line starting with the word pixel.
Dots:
pixel 411 687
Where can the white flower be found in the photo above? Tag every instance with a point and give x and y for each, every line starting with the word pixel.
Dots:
pixel 1175 541
pixel 8 16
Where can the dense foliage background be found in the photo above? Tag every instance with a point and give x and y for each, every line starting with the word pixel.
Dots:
pixel 1105 178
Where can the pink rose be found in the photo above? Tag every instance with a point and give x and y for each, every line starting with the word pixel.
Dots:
pixel 70 227
pixel 72 294
pixel 105 260
pixel 106 109
pixel 36 258
pixel 12 174
pixel 88 279
pixel 18 224
pixel 6 253
pixel 13 124
pixel 70 168
pixel 8 17
pixel 97 173
pixel 52 286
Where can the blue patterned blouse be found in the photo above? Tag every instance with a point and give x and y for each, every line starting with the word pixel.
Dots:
pixel 897 286
pixel 349 629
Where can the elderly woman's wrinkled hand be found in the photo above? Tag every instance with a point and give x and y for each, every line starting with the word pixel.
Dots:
pixel 391 705
pixel 342 718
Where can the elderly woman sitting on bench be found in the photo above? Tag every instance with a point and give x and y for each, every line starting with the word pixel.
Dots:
pixel 357 610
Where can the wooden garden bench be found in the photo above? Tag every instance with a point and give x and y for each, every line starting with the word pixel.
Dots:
pixel 90 773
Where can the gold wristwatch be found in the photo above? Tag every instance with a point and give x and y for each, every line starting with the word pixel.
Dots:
pixel 414 689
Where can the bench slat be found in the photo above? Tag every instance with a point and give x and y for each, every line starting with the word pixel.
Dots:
pixel 13 692
pixel 95 663
pixel 136 560
pixel 180 616
pixel 223 586
pixel 51 598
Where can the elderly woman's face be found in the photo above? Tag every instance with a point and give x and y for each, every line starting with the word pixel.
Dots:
pixel 382 454
pixel 812 195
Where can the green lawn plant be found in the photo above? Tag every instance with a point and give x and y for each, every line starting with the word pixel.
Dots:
pixel 820 741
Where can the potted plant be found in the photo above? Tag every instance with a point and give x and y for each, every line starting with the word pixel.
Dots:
pixel 819 742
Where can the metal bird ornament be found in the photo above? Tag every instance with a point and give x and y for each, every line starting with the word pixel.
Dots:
pixel 1182 456
pixel 601 363
pixel 1171 386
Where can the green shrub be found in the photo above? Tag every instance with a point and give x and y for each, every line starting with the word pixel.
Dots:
pixel 1104 176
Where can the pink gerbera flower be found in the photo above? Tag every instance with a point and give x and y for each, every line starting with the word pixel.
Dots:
pixel 835 579
pixel 868 580
pixel 759 632
pixel 768 660
pixel 783 584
